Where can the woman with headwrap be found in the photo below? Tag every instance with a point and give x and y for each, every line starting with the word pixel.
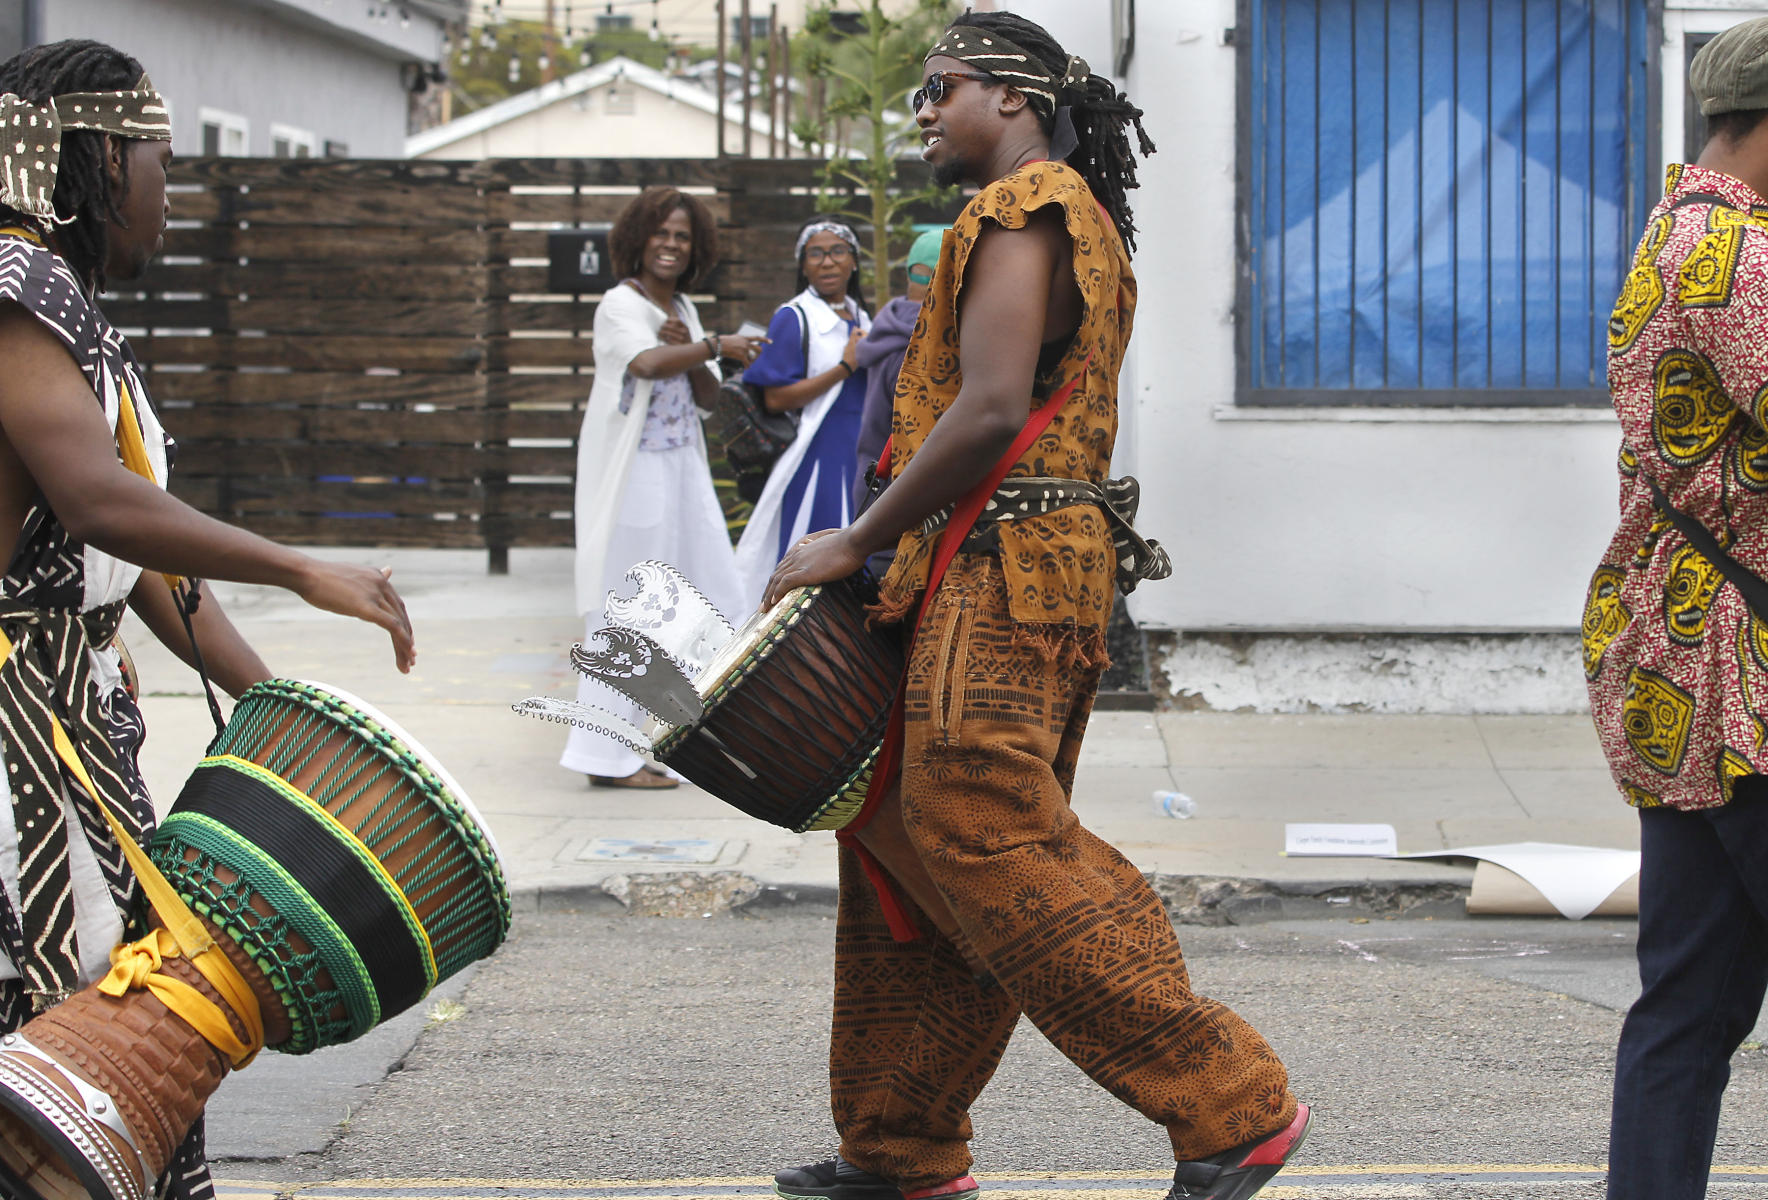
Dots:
pixel 810 366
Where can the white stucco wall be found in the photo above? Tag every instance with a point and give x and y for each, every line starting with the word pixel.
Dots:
pixel 582 127
pixel 1408 521
pixel 242 58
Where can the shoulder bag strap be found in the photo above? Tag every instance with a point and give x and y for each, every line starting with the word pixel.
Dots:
pixel 1752 587
pixel 803 335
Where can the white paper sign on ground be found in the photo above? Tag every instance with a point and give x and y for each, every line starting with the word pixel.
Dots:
pixel 1575 879
pixel 1358 841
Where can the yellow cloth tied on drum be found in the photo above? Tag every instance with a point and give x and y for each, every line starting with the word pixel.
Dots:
pixel 135 966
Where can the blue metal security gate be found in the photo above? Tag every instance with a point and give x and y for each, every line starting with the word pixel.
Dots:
pixel 1441 197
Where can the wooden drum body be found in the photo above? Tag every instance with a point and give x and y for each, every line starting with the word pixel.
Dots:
pixel 340 869
pixel 796 706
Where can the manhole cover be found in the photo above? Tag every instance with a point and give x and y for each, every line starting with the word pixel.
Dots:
pixel 663 850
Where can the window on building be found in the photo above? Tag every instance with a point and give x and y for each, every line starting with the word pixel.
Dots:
pixel 612 22
pixel 1442 196
pixel 224 133
pixel 288 142
pixel 758 27
pixel 336 149
pixel 1694 126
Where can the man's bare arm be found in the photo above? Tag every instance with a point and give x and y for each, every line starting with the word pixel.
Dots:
pixel 59 433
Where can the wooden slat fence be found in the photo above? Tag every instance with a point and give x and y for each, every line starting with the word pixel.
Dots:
pixel 364 353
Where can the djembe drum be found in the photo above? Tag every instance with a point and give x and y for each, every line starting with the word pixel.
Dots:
pixel 796 706
pixel 341 872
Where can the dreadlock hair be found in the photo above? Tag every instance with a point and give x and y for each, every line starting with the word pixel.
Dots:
pixel 1102 118
pixel 853 288
pixel 82 186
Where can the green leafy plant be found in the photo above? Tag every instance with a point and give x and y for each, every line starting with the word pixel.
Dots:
pixel 861 69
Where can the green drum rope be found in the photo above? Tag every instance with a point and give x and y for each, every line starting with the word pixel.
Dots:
pixel 465 928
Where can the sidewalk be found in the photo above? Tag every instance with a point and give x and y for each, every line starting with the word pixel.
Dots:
pixel 485 642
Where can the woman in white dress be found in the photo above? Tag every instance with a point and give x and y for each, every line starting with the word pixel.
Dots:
pixel 644 488
pixel 810 364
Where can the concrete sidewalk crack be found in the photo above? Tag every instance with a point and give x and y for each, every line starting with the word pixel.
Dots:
pixel 1479 728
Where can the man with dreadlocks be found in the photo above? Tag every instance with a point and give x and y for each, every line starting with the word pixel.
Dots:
pixel 971 893
pixel 84 146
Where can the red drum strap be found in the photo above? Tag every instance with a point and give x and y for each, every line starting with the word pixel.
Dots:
pixel 889 763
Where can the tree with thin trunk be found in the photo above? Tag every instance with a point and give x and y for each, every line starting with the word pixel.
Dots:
pixel 867 68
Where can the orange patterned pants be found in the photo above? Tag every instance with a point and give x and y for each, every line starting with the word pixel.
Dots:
pixel 1070 932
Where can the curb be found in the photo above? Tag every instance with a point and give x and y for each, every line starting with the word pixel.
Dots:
pixel 1190 899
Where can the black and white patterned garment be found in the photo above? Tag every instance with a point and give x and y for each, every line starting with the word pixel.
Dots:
pixel 66 894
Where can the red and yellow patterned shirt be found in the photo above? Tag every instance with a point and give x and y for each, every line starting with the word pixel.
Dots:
pixel 1677 664
pixel 1058 566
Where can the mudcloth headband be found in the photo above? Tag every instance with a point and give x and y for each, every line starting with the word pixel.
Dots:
pixel 1051 96
pixel 30 138
pixel 844 232
pixel 1016 68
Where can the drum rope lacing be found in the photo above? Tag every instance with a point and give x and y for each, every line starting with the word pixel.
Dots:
pixel 346 775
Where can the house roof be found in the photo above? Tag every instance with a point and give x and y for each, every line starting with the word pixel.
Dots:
pixel 575 84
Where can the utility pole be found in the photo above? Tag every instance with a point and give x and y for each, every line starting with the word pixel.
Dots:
pixel 549 47
pixel 718 84
pixel 773 82
pixel 748 75
pixel 786 93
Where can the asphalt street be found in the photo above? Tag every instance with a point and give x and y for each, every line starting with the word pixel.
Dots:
pixel 604 1056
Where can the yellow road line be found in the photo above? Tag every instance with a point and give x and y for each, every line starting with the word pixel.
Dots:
pixel 415 1183
pixel 1301 1182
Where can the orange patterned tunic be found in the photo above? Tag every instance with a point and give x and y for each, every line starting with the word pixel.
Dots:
pixel 1676 662
pixel 1058 566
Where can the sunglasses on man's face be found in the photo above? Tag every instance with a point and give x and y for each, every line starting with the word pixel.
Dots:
pixel 936 87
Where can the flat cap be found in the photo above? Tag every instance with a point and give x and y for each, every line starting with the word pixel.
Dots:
pixel 1731 71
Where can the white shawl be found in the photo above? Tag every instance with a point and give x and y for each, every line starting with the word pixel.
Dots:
pixel 758 550
pixel 626 325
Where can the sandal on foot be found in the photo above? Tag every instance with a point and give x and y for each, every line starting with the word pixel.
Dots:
pixel 1238 1173
pixel 643 779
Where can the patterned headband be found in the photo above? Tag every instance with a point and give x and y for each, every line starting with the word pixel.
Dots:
pixel 30 138
pixel 1013 66
pixel 844 232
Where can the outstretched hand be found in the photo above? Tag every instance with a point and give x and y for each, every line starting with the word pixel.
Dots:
pixel 367 594
pixel 817 558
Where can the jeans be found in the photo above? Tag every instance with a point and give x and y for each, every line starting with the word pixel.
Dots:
pixel 1703 961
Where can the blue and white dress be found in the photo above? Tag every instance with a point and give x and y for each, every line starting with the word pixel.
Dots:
pixel 811 486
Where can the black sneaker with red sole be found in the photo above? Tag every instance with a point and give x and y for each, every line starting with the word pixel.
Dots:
pixel 1238 1173
pixel 839 1179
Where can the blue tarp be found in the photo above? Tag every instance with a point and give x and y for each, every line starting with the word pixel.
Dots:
pixel 1444 193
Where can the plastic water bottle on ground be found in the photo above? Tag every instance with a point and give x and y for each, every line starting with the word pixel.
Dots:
pixel 1175 804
